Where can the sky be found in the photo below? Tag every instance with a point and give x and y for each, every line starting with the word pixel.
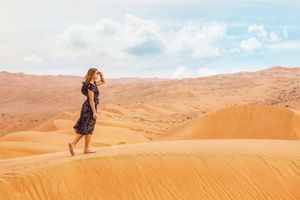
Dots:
pixel 158 38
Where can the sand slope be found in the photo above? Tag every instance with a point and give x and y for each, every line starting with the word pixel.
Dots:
pixel 206 169
pixel 247 121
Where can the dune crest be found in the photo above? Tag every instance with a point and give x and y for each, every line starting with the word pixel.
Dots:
pixel 241 122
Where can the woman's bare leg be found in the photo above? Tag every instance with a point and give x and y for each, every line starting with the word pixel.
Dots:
pixel 73 144
pixel 88 138
pixel 76 140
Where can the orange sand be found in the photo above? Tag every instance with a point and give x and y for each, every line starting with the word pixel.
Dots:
pixel 244 122
pixel 229 136
pixel 203 169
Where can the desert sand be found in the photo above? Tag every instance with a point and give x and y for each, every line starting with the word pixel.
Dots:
pixel 229 136
pixel 185 169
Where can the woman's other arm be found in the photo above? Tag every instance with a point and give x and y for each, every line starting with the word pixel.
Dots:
pixel 92 103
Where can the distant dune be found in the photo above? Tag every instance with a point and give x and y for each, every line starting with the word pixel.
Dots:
pixel 159 102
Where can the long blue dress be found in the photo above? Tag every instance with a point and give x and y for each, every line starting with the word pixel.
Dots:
pixel 86 123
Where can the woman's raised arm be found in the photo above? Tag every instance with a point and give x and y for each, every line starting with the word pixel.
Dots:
pixel 102 81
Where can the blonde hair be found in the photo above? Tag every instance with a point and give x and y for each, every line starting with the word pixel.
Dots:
pixel 89 75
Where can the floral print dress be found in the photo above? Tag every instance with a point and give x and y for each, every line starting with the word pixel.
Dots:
pixel 86 123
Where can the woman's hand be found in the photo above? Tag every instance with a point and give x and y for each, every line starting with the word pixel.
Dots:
pixel 101 81
pixel 95 115
pixel 100 73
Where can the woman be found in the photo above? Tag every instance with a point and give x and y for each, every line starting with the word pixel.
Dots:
pixel 88 115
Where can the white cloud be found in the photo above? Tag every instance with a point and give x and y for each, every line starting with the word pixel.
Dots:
pixel 274 37
pixel 135 37
pixel 259 30
pixel 180 72
pixel 198 39
pixel 33 58
pixel 250 44
pixel 264 35
pixel 108 38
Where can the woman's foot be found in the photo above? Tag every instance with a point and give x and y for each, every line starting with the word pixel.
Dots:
pixel 89 151
pixel 71 149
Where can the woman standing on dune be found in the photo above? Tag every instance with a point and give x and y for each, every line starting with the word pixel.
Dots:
pixel 88 115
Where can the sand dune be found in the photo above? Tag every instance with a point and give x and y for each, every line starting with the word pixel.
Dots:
pixel 234 136
pixel 16 149
pixel 248 121
pixel 150 109
pixel 115 109
pixel 26 143
pixel 61 124
pixel 206 169
pixel 54 136
pixel 244 122
pixel 32 100
pixel 106 132
pixel 116 135
pixel 62 120
pixel 128 124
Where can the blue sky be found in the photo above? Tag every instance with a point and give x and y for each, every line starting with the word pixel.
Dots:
pixel 159 38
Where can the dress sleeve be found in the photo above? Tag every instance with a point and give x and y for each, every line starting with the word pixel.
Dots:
pixel 91 87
